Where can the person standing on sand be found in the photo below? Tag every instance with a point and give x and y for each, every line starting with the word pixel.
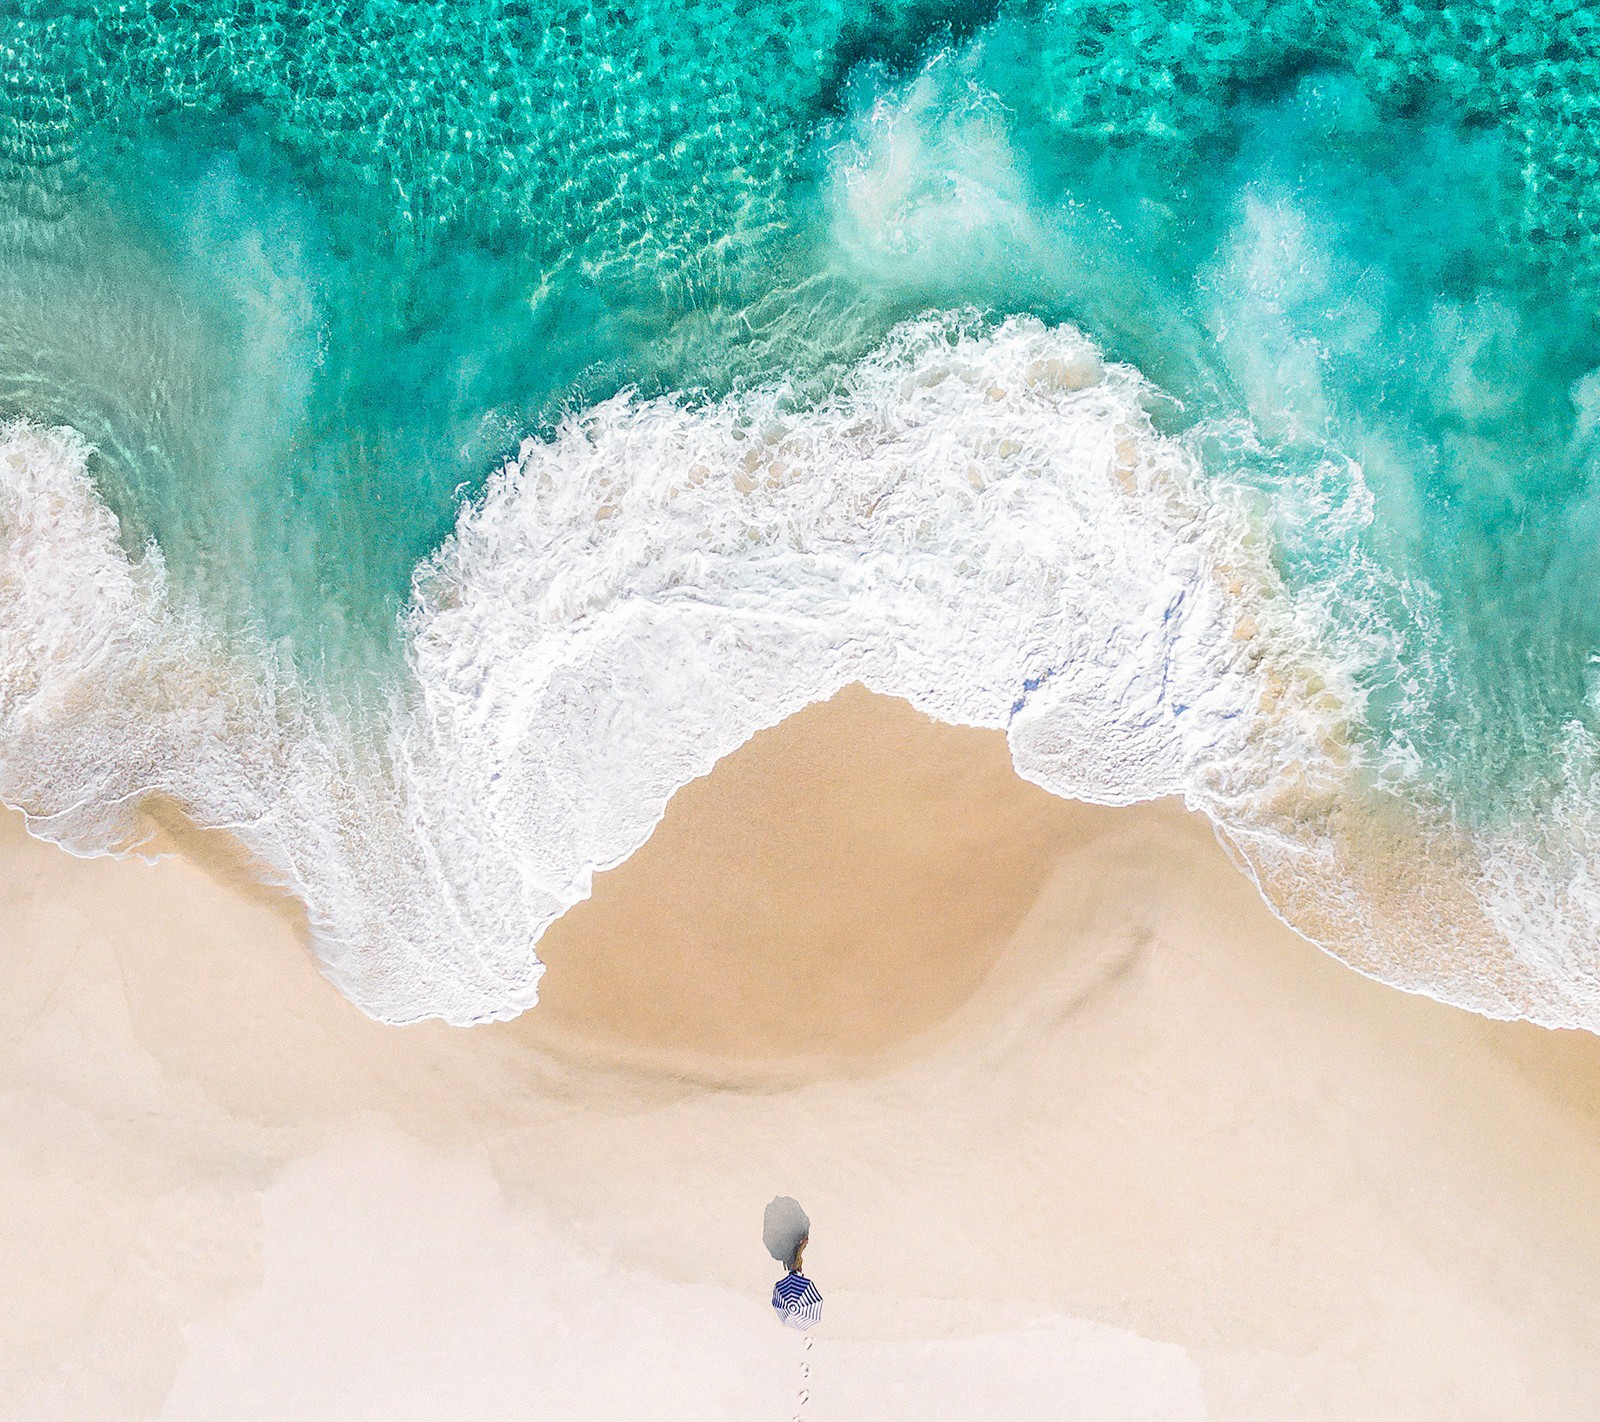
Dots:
pixel 795 1297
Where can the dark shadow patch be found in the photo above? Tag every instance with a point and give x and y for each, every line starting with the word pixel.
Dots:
pixel 784 1228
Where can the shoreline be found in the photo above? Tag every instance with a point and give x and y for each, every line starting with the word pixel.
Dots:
pixel 741 945
pixel 1162 1158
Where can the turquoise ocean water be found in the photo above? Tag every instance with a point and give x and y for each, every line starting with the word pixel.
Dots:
pixel 305 276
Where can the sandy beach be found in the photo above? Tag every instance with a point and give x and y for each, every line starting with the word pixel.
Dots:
pixel 1083 1131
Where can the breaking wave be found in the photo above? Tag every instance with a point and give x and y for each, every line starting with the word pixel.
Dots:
pixel 982 519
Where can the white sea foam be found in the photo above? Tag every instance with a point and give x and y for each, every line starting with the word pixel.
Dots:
pixel 1541 883
pixel 981 520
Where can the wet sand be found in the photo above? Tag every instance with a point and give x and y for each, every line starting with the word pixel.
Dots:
pixel 1082 1130
pixel 834 889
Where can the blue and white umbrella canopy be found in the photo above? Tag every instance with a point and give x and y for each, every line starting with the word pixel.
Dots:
pixel 797 1301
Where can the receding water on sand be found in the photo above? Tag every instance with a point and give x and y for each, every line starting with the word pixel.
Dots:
pixel 486 420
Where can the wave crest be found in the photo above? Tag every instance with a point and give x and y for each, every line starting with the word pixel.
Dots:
pixel 981 520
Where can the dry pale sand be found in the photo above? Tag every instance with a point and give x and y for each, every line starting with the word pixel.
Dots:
pixel 1083 1132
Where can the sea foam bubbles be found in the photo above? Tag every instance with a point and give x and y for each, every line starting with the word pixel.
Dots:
pixel 981 519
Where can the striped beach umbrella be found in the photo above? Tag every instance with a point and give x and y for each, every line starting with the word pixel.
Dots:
pixel 797 1301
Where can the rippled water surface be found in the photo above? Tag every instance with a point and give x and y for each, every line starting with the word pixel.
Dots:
pixel 306 276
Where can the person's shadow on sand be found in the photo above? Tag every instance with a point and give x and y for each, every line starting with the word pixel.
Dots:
pixel 784 1228
pixel 784 1231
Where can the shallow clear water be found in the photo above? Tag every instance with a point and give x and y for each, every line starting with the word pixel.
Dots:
pixel 307 275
